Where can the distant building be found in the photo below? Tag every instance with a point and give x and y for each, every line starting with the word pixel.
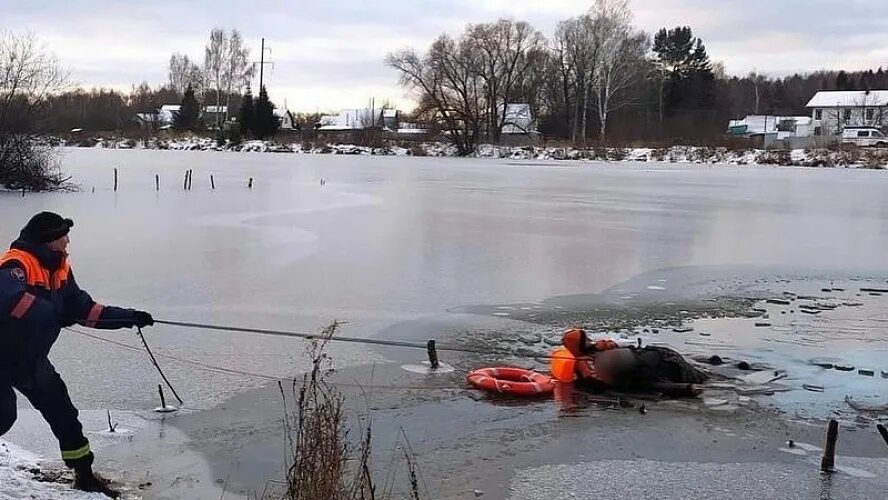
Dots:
pixel 780 127
pixel 286 119
pixel 833 110
pixel 414 129
pixel 164 117
pixel 518 120
pixel 351 119
pixel 391 119
pixel 158 119
pixel 211 115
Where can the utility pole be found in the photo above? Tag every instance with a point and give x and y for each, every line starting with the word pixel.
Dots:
pixel 262 64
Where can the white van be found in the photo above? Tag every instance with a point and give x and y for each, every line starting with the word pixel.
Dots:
pixel 864 136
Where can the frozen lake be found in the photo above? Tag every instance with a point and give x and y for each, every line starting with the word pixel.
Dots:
pixel 388 239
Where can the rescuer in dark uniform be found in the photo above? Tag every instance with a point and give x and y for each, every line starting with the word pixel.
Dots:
pixel 39 297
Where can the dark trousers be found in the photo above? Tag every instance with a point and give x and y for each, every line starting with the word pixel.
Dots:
pixel 44 388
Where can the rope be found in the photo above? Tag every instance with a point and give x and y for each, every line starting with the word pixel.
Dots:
pixel 219 369
pixel 292 334
pixel 153 360
pixel 303 335
pixel 260 376
pixel 313 336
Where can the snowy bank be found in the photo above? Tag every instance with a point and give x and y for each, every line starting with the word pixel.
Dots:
pixel 856 158
pixel 19 470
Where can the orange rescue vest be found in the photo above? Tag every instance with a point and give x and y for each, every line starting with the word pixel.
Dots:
pixel 563 365
pixel 35 274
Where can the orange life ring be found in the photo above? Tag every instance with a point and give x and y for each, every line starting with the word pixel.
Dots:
pixel 514 381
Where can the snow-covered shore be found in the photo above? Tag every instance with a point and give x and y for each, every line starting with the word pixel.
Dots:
pixel 857 158
pixel 18 478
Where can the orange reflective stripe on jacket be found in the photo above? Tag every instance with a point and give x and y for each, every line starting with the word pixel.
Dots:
pixel 563 365
pixel 35 274
pixel 94 314
pixel 23 306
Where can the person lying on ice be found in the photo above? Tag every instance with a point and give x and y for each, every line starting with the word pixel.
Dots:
pixel 38 297
pixel 604 365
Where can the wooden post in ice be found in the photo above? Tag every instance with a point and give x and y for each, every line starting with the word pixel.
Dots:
pixel 163 403
pixel 212 182
pixel 111 426
pixel 190 177
pixel 433 355
pixel 115 178
pixel 157 182
pixel 250 183
pixel 828 463
pixel 185 182
pixel 883 431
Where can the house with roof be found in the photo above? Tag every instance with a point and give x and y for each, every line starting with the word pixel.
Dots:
pixel 163 118
pixel 519 126
pixel 350 120
pixel 780 127
pixel 391 119
pixel 159 119
pixel 210 115
pixel 518 120
pixel 833 110
pixel 285 118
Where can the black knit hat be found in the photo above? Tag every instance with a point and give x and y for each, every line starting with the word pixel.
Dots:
pixel 45 227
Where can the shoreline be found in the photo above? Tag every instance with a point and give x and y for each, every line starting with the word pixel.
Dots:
pixel 866 158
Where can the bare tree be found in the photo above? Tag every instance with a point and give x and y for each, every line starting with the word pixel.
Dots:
pixel 566 72
pixel 540 86
pixel 505 51
pixel 238 70
pixel 184 72
pixel 451 92
pixel 621 57
pixel 29 74
pixel 581 47
pixel 227 66
pixel 216 57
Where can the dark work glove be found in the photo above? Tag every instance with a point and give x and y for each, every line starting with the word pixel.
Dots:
pixel 142 319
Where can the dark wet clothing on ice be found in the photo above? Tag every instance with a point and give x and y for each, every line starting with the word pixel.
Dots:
pixel 652 369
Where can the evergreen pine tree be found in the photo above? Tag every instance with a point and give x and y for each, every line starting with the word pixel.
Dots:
pixel 247 114
pixel 266 124
pixel 188 117
pixel 690 81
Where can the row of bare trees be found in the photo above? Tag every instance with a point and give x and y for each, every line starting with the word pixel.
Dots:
pixel 598 55
pixel 226 70
pixel 465 83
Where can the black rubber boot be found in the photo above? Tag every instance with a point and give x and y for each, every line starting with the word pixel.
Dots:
pixel 86 480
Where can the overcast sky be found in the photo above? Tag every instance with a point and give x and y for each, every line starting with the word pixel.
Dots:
pixel 328 54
